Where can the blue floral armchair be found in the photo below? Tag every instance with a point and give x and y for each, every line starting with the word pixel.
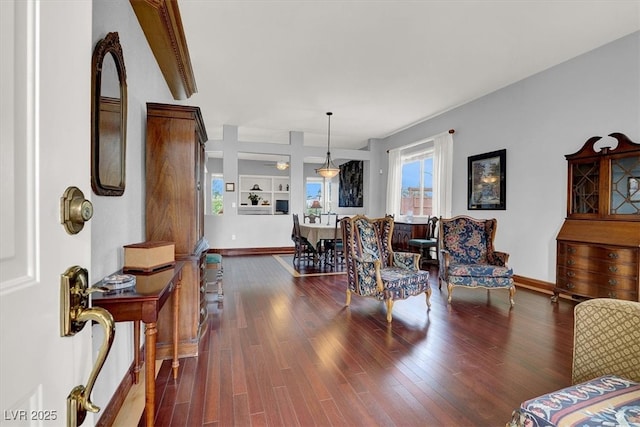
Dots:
pixel 374 269
pixel 467 257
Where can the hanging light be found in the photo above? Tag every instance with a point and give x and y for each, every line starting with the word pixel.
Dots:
pixel 328 169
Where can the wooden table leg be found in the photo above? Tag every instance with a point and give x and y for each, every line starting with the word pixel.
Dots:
pixel 150 335
pixel 136 351
pixel 176 304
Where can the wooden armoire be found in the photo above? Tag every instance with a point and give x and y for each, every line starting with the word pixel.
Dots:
pixel 175 163
pixel 599 242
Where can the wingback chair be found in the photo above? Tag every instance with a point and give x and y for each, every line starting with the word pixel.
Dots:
pixel 467 257
pixel 374 269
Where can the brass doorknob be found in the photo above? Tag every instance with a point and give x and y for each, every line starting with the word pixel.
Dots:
pixel 75 210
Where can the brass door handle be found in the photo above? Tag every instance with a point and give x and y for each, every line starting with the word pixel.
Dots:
pixel 74 314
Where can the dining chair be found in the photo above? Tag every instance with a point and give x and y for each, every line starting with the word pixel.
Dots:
pixel 304 250
pixel 310 218
pixel 338 248
pixel 427 243
pixel 333 248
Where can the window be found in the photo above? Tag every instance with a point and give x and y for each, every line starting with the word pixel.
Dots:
pixel 217 191
pixel 314 192
pixel 416 194
pixel 420 177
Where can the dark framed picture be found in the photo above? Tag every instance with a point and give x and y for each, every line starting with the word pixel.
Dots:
pixel 487 186
pixel 350 185
pixel 230 186
pixel 634 189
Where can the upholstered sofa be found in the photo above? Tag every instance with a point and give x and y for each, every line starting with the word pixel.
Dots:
pixel 605 373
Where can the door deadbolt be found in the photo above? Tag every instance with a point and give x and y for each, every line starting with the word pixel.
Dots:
pixel 75 210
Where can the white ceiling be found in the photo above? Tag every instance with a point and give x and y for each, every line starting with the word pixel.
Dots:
pixel 270 67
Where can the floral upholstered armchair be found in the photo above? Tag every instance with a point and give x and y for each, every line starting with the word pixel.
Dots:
pixel 374 269
pixel 467 257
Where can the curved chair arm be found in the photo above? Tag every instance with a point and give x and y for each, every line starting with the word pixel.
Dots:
pixel 445 260
pixel 498 258
pixel 408 260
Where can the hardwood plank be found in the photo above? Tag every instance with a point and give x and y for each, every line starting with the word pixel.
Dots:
pixel 284 350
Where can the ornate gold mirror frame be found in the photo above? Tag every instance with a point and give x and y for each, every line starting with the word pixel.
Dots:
pixel 108 117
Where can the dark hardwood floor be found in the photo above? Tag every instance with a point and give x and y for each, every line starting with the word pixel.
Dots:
pixel 284 351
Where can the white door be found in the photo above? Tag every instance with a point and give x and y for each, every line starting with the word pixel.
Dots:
pixel 45 148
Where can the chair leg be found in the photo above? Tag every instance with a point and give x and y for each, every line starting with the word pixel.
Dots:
pixel 389 309
pixel 450 291
pixel 348 297
pixel 428 293
pixel 512 292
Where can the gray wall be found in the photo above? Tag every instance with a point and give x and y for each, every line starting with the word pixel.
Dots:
pixel 539 120
pixel 119 221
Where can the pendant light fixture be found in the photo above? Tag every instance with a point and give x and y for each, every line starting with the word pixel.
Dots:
pixel 328 169
pixel 282 165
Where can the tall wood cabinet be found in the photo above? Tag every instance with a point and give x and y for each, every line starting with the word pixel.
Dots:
pixel 175 161
pixel 598 246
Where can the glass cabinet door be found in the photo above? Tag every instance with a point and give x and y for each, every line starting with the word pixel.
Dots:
pixel 625 186
pixel 585 181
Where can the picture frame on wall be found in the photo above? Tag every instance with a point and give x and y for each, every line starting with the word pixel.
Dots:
pixel 230 186
pixel 487 181
pixel 350 190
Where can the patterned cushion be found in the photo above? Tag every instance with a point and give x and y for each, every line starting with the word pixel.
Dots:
pixel 401 283
pixel 466 241
pixel 406 260
pixel 605 401
pixel 607 339
pixel 483 275
pixel 368 239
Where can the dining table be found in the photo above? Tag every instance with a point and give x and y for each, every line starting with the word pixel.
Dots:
pixel 315 233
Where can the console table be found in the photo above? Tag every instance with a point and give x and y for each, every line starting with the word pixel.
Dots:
pixel 144 304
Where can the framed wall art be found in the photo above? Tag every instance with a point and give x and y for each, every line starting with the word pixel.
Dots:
pixel 230 186
pixel 351 181
pixel 487 176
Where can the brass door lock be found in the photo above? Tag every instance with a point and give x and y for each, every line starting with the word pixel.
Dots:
pixel 75 210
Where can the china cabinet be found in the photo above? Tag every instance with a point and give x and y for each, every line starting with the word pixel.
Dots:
pixel 598 246
pixel 175 160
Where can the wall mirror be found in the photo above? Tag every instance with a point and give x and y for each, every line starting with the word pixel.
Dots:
pixel 108 117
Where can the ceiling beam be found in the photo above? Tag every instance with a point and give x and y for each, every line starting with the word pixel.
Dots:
pixel 160 20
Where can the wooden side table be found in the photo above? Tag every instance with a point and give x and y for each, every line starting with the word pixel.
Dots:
pixel 144 304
